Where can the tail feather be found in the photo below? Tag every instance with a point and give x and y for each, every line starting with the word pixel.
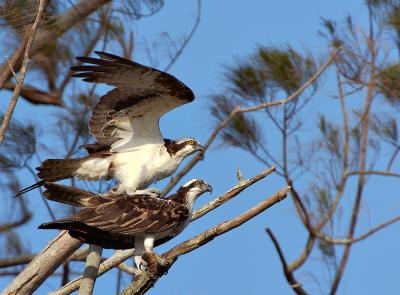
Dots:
pixel 57 169
pixel 91 235
pixel 53 170
pixel 71 195
pixel 29 188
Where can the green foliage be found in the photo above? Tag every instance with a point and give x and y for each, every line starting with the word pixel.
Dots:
pixel 261 77
pixel 267 71
pixel 388 83
pixel 385 127
pixel 242 131
pixel 286 68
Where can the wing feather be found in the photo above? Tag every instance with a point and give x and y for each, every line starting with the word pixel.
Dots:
pixel 128 115
pixel 132 215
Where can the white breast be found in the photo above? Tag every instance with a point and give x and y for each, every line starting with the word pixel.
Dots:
pixel 139 168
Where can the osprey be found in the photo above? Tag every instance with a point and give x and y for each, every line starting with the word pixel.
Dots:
pixel 129 146
pixel 124 221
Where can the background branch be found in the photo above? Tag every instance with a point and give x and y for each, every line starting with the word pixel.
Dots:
pixel 21 76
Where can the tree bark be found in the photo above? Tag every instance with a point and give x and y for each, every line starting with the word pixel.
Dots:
pixel 44 264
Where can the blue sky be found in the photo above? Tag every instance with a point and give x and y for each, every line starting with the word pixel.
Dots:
pixel 244 260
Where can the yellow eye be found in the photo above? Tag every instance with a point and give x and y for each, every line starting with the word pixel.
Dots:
pixel 191 142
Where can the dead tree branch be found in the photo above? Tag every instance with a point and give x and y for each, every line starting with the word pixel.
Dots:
pixel 113 261
pixel 24 67
pixel 91 270
pixel 187 39
pixel 230 194
pixel 43 265
pixel 288 273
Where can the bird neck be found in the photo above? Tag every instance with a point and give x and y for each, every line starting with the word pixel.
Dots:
pixel 173 147
pixel 184 196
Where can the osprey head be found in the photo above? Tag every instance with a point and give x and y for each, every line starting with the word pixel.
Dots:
pixel 194 188
pixel 183 147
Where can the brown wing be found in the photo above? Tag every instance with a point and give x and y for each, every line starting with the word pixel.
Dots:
pixel 130 113
pixel 138 214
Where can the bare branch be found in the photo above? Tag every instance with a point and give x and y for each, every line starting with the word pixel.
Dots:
pixel 27 258
pixel 230 194
pixel 113 261
pixel 24 68
pixel 44 264
pixel 91 270
pixel 34 95
pixel 372 172
pixel 288 273
pixel 304 255
pixel 187 39
pixel 159 265
pixel 354 240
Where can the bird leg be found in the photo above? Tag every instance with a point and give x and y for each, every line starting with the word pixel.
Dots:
pixel 143 245
pixel 139 250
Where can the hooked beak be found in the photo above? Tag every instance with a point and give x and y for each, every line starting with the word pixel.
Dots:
pixel 209 188
pixel 200 148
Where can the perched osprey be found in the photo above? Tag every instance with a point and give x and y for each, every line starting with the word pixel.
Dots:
pixel 123 221
pixel 125 122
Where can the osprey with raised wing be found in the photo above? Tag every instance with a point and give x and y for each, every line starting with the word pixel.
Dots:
pixel 129 146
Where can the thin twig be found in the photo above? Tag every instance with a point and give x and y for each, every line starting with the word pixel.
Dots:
pixel 335 241
pixel 288 274
pixel 230 194
pixel 187 39
pixel 24 68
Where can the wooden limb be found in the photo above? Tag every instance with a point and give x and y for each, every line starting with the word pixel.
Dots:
pixel 336 241
pixel 231 193
pixel 288 273
pixel 113 261
pixel 24 68
pixel 91 270
pixel 34 95
pixel 304 255
pixel 159 265
pixel 79 255
pixel 372 172
pixel 43 265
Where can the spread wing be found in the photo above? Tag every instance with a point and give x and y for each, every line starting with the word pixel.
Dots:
pixel 128 115
pixel 136 214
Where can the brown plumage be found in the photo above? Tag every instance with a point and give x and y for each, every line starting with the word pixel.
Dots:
pixel 115 221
